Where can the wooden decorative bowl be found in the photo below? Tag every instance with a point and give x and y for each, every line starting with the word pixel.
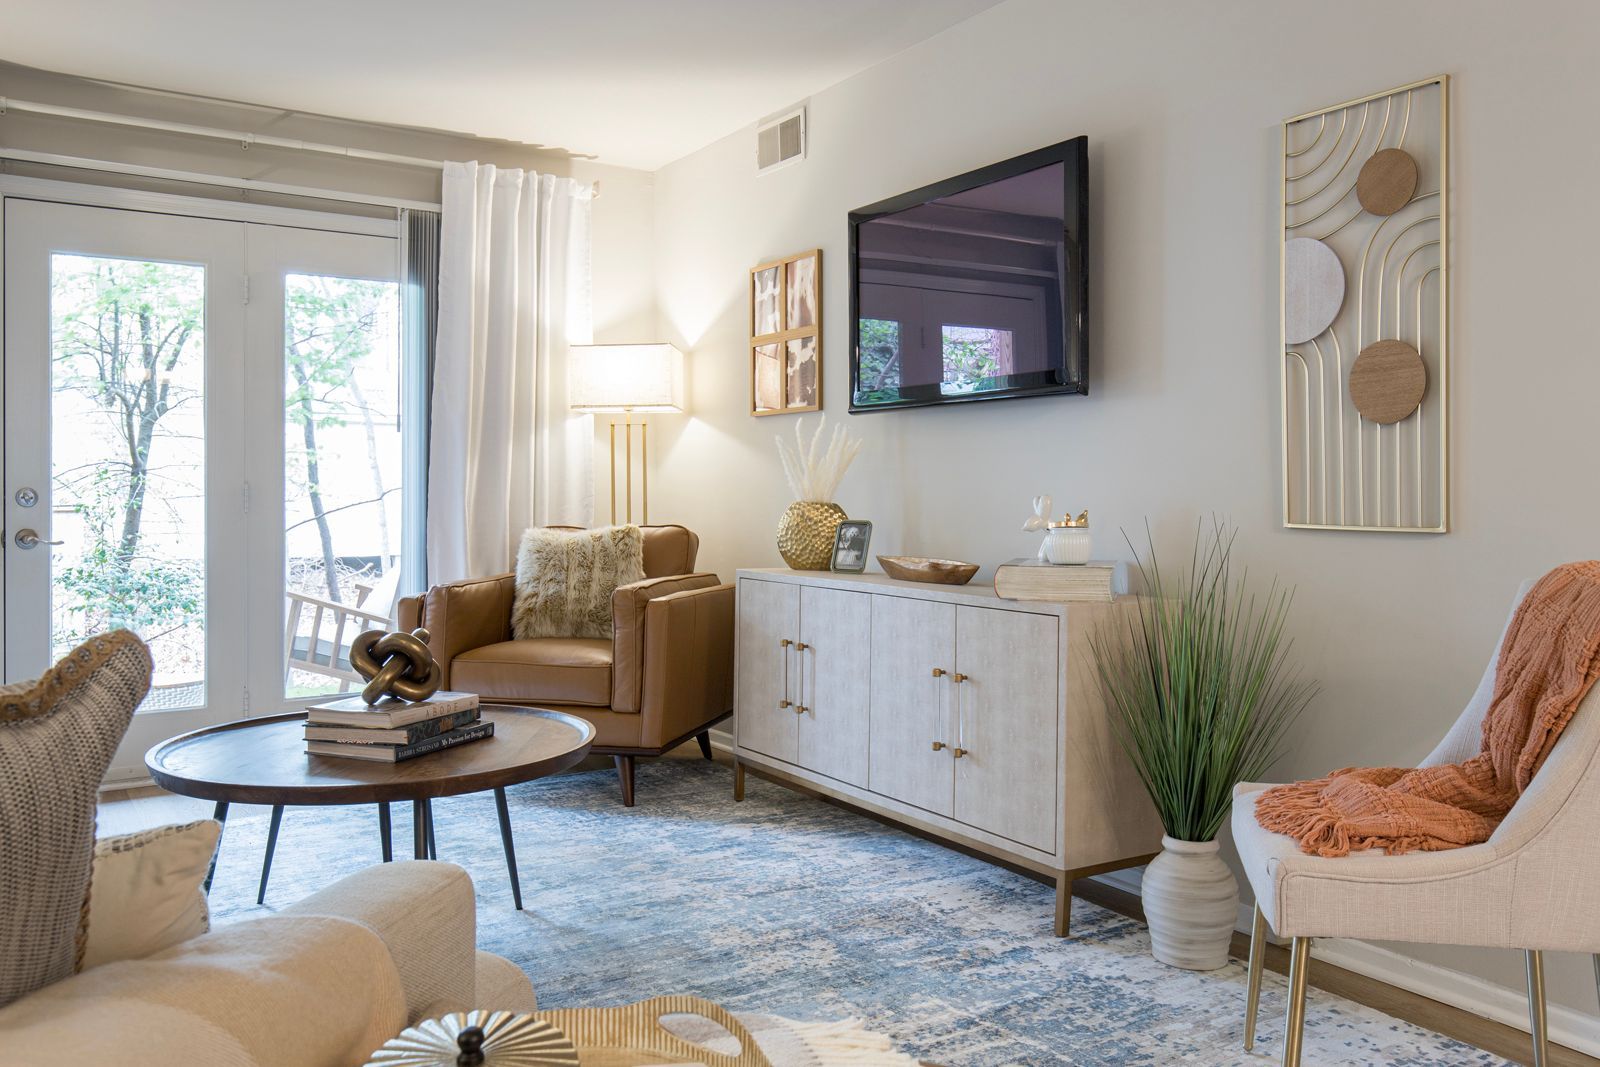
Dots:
pixel 923 569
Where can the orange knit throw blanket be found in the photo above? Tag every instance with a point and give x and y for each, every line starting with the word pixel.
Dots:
pixel 1548 661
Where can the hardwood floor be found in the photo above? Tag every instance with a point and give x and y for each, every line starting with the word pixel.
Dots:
pixel 129 810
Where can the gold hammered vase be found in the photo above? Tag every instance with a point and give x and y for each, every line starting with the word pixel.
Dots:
pixel 805 534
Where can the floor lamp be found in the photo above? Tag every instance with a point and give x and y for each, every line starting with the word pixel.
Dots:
pixel 627 380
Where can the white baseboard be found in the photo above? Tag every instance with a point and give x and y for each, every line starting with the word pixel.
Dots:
pixel 1568 1026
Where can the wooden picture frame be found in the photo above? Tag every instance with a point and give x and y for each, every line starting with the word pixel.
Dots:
pixel 785 307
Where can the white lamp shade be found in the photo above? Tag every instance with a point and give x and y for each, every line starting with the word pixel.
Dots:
pixel 645 377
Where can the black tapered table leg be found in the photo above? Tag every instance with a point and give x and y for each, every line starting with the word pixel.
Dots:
pixel 511 849
pixel 433 843
pixel 419 829
pixel 385 831
pixel 220 813
pixel 272 844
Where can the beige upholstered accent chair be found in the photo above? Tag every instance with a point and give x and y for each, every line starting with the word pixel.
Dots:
pixel 1534 885
pixel 664 676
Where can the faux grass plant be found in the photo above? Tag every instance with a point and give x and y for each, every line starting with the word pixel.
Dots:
pixel 1200 684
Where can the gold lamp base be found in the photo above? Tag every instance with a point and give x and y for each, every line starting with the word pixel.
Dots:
pixel 627 425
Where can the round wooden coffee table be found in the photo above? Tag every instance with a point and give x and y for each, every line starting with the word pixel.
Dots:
pixel 264 761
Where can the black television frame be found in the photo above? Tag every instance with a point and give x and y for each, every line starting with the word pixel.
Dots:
pixel 1074 155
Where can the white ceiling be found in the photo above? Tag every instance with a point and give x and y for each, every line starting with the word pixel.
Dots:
pixel 634 82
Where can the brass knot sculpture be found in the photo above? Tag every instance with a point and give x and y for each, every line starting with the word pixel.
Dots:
pixel 395 664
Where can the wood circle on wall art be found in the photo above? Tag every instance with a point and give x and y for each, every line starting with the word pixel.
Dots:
pixel 1387 381
pixel 1387 182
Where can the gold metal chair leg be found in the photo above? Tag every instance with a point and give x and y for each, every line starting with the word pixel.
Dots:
pixel 1252 997
pixel 1537 1023
pixel 1294 1023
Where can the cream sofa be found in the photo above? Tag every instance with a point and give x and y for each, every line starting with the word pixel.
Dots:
pixel 320 984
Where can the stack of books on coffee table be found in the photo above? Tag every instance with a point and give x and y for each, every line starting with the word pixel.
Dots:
pixel 394 730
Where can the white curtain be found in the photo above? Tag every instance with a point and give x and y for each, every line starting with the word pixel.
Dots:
pixel 505 453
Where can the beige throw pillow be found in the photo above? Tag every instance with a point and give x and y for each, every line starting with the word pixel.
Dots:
pixel 565 579
pixel 145 895
pixel 57 737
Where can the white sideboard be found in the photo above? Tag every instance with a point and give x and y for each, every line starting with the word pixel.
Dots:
pixel 946 708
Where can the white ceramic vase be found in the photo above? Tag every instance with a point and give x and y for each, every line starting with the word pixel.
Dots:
pixel 1191 901
pixel 1065 545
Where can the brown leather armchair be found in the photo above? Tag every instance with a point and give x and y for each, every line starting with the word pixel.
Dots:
pixel 665 676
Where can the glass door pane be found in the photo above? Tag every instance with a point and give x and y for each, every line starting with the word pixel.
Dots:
pixel 124 453
pixel 342 470
pixel 127 459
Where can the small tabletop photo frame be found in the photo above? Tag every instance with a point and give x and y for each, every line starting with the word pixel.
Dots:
pixel 850 542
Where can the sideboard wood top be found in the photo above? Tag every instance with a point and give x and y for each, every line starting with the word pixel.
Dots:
pixel 978 593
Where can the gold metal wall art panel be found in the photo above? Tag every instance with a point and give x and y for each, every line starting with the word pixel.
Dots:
pixel 1365 185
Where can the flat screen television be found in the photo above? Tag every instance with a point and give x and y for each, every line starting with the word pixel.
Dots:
pixel 974 288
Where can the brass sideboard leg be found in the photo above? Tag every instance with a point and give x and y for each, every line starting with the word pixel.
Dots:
pixel 1063 902
pixel 738 780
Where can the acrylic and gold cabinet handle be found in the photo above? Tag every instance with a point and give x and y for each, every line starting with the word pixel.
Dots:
pixel 801 646
pixel 938 745
pixel 958 677
pixel 785 643
pixel 959 752
pixel 938 672
pixel 785 703
pixel 800 709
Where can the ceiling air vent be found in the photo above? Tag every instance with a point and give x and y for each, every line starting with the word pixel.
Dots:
pixel 781 141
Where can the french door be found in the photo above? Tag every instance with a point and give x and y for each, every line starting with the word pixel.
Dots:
pixel 202 431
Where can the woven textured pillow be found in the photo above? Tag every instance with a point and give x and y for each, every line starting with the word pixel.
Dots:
pixel 57 737
pixel 565 579
pixel 145 895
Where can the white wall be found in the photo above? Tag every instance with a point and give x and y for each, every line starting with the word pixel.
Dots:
pixel 1182 104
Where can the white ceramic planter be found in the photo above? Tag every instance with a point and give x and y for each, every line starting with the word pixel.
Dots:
pixel 1191 902
pixel 1068 545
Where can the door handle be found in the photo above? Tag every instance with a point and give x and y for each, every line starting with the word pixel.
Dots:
pixel 28 538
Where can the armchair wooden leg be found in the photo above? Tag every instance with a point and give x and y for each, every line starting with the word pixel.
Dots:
pixel 704 737
pixel 1258 958
pixel 625 775
pixel 738 794
pixel 1294 1023
pixel 1537 1024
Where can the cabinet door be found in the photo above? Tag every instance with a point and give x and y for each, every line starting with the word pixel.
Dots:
pixel 835 663
pixel 769 614
pixel 910 706
pixel 1006 721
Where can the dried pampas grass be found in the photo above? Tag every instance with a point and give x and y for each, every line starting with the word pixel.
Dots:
pixel 812 476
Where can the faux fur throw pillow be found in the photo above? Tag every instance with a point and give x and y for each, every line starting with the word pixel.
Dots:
pixel 565 579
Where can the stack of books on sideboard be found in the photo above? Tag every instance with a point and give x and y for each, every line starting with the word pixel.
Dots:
pixel 394 730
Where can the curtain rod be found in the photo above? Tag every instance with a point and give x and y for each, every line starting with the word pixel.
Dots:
pixel 245 140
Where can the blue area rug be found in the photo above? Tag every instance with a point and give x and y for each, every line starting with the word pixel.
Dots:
pixel 790 906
